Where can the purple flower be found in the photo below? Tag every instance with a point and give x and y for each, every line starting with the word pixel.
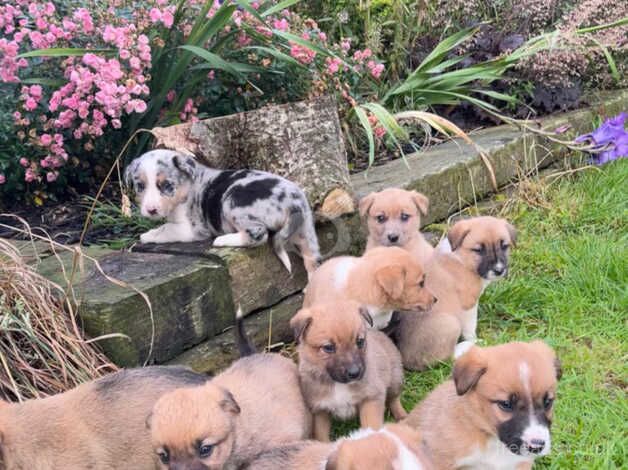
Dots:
pixel 609 141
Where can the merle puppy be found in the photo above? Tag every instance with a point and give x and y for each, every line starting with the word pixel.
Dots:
pixel 239 208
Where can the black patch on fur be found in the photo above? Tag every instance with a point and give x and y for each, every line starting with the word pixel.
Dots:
pixel 295 195
pixel 256 233
pixel 510 432
pixel 126 379
pixel 213 195
pixel 281 196
pixel 247 194
pixel 295 221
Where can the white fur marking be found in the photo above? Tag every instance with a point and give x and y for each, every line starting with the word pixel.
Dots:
pixel 381 318
pixel 535 430
pixel 462 348
pixel 232 239
pixel 339 402
pixel 406 459
pixel 495 456
pixel 341 273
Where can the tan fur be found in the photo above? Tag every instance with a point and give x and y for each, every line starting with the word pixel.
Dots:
pixel 425 339
pixel 384 212
pixel 376 450
pixel 383 279
pixel 460 416
pixel 100 425
pixel 253 406
pixel 342 324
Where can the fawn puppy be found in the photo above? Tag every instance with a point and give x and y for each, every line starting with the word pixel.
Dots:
pixel 480 252
pixel 495 413
pixel 394 447
pixel 393 218
pixel 345 367
pixel 235 207
pixel 254 405
pixel 383 279
pixel 99 425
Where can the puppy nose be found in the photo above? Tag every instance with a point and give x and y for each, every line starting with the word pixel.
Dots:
pixel 392 237
pixel 499 270
pixel 536 446
pixel 353 372
pixel 152 211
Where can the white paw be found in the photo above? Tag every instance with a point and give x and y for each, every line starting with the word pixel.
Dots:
pixel 231 239
pixel 462 348
pixel 152 236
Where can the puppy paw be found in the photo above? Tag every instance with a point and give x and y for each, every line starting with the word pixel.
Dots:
pixel 152 236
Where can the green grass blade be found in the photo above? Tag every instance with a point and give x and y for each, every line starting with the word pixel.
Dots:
pixel 53 82
pixel 279 56
pixel 279 7
pixel 214 61
pixel 63 52
pixel 366 125
pixel 609 58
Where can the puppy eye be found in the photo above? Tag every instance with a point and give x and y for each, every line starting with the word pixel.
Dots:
pixel 547 402
pixel 139 187
pixel 205 450
pixel 505 245
pixel 166 186
pixel 329 348
pixel 505 405
pixel 380 219
pixel 478 249
pixel 164 456
pixel 404 217
pixel 360 342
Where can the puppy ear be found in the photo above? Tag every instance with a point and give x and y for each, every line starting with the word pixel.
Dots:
pixel 457 234
pixel 365 204
pixel 300 323
pixel 468 369
pixel 366 315
pixel 512 231
pixel 184 164
pixel 149 420
pixel 421 202
pixel 130 172
pixel 391 279
pixel 550 355
pixel 229 404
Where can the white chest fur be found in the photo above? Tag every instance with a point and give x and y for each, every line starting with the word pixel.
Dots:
pixel 495 456
pixel 381 318
pixel 339 402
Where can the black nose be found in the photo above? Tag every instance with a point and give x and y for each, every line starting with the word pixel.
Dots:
pixel 393 237
pixel 536 446
pixel 499 271
pixel 152 211
pixel 354 372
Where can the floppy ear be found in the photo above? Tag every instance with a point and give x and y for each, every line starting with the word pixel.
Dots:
pixel 391 279
pixel 366 315
pixel 300 323
pixel 421 202
pixel 512 231
pixel 550 355
pixel 184 164
pixel 130 172
pixel 457 234
pixel 365 204
pixel 468 369
pixel 149 420
pixel 229 404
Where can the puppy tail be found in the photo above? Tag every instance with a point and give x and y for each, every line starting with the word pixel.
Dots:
pixel 245 346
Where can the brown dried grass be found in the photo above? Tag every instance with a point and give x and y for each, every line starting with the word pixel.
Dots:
pixel 43 350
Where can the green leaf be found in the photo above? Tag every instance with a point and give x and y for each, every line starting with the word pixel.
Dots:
pixel 213 60
pixel 609 58
pixel 496 95
pixel 53 82
pixel 366 125
pixel 279 7
pixel 63 52
pixel 305 43
pixel 279 55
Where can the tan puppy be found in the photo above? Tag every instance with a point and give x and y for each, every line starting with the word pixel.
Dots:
pixel 346 367
pixel 254 405
pixel 496 412
pixel 99 425
pixel 394 447
pixel 383 280
pixel 393 217
pixel 480 252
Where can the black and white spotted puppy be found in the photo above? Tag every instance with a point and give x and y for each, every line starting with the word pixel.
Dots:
pixel 239 208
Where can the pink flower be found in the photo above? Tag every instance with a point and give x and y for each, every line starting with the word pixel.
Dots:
pixel 45 140
pixel 51 176
pixel 29 175
pixel 24 162
pixel 322 36
pixel 211 74
pixel 2 179
pixel 17 115
pixel 30 104
pixel 155 15
pixel 36 91
pixel 116 123
pixel 305 55
pixel 333 65
pixel 167 18
pixel 281 25
pixel 124 54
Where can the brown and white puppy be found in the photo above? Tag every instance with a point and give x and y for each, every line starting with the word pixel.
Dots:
pixel 345 367
pixel 496 412
pixel 383 279
pixel 254 405
pixel 99 425
pixel 480 252
pixel 393 218
pixel 394 447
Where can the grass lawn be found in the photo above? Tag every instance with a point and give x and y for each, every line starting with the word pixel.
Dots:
pixel 568 285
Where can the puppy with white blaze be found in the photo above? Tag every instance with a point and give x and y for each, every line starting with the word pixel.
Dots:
pixel 238 208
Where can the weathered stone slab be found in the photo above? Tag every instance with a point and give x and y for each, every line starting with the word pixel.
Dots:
pixel 217 353
pixel 452 174
pixel 31 251
pixel 190 299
